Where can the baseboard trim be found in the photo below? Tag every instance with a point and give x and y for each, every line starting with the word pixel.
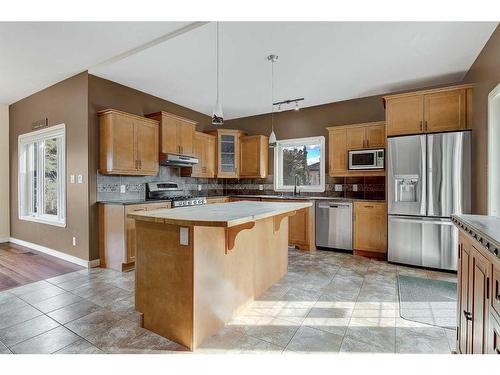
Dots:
pixel 56 253
pixel 4 239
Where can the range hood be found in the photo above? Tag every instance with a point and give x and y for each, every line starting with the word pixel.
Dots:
pixel 171 160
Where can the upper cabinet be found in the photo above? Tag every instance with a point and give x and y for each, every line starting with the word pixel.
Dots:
pixel 128 144
pixel 369 135
pixel 176 133
pixel 429 111
pixel 204 150
pixel 227 147
pixel 341 139
pixel 254 156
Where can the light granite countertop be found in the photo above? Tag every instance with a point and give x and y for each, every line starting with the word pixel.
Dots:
pixel 219 214
pixel 485 229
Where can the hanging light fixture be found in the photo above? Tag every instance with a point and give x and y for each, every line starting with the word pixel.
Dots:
pixel 272 136
pixel 217 115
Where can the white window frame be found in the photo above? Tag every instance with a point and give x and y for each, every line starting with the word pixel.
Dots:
pixel 23 192
pixel 278 163
pixel 493 151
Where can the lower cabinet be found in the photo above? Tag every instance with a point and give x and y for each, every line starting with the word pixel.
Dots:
pixel 370 228
pixel 477 320
pixel 117 233
pixel 217 200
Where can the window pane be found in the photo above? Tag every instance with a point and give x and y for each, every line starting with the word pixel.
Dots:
pixel 301 163
pixel 50 182
pixel 33 169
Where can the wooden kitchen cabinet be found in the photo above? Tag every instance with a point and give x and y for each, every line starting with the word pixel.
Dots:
pixel 370 228
pixel 364 136
pixel 337 151
pixel 128 144
pixel 404 115
pixel 176 133
pixel 477 319
pixel 227 152
pixel 117 233
pixel 341 139
pixel 254 156
pixel 204 150
pixel 445 111
pixel 429 111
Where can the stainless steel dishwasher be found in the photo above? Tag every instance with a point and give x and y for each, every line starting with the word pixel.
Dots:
pixel 334 225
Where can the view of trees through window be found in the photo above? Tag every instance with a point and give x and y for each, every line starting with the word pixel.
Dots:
pixel 50 183
pixel 301 163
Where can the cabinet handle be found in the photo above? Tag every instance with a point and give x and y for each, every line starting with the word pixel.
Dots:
pixel 425 125
pixel 467 315
pixel 487 288
pixel 368 206
pixel 421 126
pixel 497 294
pixel 497 350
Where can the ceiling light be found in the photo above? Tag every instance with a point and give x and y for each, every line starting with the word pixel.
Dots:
pixel 272 136
pixel 217 115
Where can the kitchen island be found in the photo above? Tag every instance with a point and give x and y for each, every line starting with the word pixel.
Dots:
pixel 196 267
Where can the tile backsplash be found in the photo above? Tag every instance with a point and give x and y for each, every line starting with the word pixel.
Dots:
pixel 108 187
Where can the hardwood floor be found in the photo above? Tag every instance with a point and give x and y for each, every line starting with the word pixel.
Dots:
pixel 20 265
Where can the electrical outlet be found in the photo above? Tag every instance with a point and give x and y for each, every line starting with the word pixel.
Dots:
pixel 74 241
pixel 261 187
pixel 354 187
pixel 123 189
pixel 338 187
pixel 72 179
pixel 79 179
pixel 184 236
pixel 199 187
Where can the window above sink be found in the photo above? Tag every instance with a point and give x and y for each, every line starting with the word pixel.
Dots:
pixel 300 162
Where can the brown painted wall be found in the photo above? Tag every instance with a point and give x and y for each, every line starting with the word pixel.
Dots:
pixel 64 102
pixel 312 121
pixel 107 94
pixel 485 74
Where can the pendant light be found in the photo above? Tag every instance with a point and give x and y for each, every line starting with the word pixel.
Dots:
pixel 272 136
pixel 217 115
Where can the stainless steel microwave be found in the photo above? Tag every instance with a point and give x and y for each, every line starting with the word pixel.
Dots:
pixel 366 159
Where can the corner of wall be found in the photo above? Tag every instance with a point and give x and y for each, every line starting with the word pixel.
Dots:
pixel 4 171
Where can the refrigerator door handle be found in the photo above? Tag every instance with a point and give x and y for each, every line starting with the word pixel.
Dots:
pixel 423 161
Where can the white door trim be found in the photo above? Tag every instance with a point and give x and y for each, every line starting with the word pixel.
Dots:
pixel 493 161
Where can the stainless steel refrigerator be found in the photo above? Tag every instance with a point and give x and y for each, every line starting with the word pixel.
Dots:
pixel 428 181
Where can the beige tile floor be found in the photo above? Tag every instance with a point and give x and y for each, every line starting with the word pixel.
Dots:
pixel 327 303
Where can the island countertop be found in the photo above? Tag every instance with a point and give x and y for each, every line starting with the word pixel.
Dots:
pixel 223 215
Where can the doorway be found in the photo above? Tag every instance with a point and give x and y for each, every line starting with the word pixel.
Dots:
pixel 494 152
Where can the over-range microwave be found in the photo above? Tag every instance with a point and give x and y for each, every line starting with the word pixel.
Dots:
pixel 366 159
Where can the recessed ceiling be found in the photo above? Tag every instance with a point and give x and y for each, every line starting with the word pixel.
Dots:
pixel 320 61
pixel 35 55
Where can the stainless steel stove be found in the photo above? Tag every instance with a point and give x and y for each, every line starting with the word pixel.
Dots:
pixel 172 192
pixel 187 200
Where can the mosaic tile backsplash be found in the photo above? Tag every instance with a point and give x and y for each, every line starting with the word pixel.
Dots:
pixel 108 187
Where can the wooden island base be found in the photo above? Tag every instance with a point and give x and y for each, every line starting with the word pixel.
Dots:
pixel 187 293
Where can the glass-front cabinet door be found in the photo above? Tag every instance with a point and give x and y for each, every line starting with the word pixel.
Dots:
pixel 228 149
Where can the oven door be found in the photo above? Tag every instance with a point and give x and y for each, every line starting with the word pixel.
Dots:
pixel 363 159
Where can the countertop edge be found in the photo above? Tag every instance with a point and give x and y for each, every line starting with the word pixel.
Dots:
pixel 489 243
pixel 216 223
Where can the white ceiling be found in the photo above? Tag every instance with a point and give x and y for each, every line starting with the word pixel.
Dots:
pixel 35 55
pixel 321 61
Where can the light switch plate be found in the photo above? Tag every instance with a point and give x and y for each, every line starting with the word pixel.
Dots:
pixel 199 187
pixel 261 187
pixel 74 241
pixel 338 187
pixel 79 179
pixel 72 179
pixel 184 236
pixel 123 189
pixel 354 187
